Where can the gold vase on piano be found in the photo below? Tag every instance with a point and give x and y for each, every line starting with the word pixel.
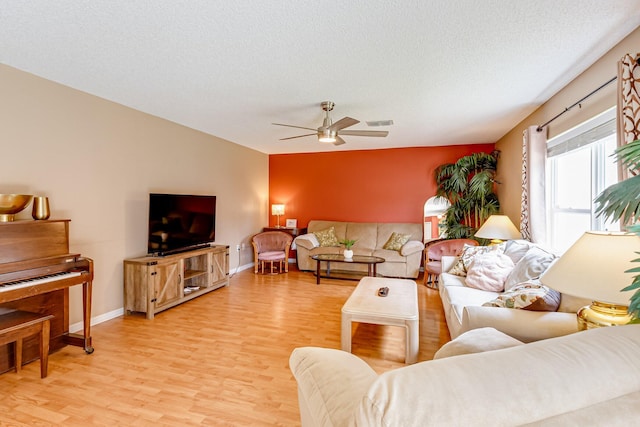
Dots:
pixel 40 209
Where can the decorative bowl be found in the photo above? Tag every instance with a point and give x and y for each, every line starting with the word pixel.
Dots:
pixel 11 204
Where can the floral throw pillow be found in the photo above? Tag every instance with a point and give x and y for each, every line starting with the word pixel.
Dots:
pixel 327 237
pixel 530 295
pixel 396 241
pixel 468 252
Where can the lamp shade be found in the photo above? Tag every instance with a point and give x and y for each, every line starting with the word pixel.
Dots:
pixel 498 227
pixel 594 267
pixel 277 209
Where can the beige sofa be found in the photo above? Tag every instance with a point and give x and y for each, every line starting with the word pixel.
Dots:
pixel 370 240
pixel 464 310
pixel 587 378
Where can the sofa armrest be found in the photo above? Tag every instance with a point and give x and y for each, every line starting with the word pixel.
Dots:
pixel 307 241
pixel 331 384
pixel 476 341
pixel 411 247
pixel 523 325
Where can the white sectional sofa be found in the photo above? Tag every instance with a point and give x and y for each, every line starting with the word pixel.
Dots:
pixel 370 240
pixel 464 307
pixel 587 378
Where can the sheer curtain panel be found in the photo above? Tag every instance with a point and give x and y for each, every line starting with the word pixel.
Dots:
pixel 533 204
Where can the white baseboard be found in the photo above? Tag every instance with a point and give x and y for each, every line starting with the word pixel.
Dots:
pixel 76 327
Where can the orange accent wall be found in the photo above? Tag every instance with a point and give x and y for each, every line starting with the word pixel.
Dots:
pixel 389 185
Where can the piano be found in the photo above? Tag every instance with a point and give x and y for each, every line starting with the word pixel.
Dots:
pixel 36 272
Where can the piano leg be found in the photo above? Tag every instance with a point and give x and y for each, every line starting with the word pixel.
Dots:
pixel 84 340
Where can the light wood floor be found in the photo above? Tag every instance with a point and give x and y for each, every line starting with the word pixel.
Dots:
pixel 220 359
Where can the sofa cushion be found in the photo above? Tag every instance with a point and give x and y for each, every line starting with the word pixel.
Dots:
pixel 530 267
pixel 389 256
pixel 458 297
pixel 327 237
pixel 488 271
pixel 396 241
pixel 468 252
pixel 528 296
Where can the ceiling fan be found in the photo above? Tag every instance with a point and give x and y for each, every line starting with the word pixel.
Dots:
pixel 330 132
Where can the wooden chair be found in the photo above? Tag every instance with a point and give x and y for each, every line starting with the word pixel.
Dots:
pixel 271 247
pixel 434 254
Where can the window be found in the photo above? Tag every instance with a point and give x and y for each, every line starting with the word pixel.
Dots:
pixel 579 168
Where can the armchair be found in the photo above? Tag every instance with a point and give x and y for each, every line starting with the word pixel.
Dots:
pixel 435 252
pixel 271 247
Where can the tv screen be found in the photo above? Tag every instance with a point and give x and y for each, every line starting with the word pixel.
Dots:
pixel 179 222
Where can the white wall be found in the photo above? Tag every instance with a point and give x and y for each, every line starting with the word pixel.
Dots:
pixel 97 161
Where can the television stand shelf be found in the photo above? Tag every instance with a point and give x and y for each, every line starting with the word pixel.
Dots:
pixel 153 284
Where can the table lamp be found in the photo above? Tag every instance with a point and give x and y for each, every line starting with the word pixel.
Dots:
pixel 498 228
pixel 595 268
pixel 277 209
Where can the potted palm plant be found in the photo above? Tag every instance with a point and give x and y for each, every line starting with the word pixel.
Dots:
pixel 621 201
pixel 468 185
pixel 348 243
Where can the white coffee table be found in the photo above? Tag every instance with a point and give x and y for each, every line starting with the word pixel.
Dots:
pixel 398 308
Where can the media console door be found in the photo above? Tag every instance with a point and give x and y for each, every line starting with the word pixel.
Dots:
pixel 153 284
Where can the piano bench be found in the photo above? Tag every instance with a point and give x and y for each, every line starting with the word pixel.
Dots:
pixel 16 325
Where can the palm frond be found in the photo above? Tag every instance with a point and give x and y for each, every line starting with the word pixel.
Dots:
pixel 629 155
pixel 621 200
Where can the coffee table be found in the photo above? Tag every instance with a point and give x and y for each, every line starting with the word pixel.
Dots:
pixel 371 262
pixel 398 308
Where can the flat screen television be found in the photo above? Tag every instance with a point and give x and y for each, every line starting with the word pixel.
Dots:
pixel 180 222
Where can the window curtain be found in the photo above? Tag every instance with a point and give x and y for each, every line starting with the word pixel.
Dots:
pixel 533 220
pixel 628 103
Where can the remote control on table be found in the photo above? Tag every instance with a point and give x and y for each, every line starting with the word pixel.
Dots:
pixel 382 292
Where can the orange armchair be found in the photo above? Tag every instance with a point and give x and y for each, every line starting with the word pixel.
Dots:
pixel 271 247
pixel 434 254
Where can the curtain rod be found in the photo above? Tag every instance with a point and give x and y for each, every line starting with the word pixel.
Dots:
pixel 539 129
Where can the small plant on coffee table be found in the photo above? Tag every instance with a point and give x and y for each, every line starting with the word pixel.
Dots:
pixel 347 243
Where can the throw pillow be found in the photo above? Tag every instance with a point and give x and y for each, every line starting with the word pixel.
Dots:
pixel 530 267
pixel 516 249
pixel 468 252
pixel 396 241
pixel 327 237
pixel 531 296
pixel 488 271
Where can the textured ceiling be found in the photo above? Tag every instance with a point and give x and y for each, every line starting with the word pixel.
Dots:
pixel 446 72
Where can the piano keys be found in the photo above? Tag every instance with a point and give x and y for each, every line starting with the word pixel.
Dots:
pixel 36 272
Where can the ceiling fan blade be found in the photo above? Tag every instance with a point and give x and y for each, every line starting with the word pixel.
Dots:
pixel 339 141
pixel 299 136
pixel 344 122
pixel 292 126
pixel 380 133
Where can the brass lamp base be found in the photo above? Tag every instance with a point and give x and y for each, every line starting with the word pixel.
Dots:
pixel 600 314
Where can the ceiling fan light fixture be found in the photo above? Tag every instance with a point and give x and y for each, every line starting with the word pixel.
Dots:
pixel 327 136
